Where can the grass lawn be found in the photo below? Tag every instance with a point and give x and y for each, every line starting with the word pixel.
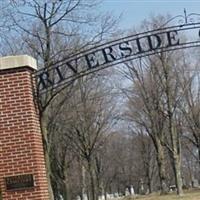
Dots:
pixel 188 195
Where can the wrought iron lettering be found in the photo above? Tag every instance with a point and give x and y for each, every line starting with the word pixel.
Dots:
pixel 44 81
pixel 172 38
pixel 154 44
pixel 125 49
pixel 108 54
pixel 92 61
pixel 116 52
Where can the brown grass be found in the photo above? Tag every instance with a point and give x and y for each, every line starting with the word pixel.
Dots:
pixel 188 195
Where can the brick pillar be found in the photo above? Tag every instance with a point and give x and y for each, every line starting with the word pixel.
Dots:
pixel 21 150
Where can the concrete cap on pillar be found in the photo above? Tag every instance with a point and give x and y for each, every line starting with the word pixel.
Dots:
pixel 11 62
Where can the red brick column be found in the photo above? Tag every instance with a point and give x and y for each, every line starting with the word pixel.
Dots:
pixel 21 150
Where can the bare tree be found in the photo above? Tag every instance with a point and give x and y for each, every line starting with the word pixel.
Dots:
pixel 158 94
pixel 145 109
pixel 87 123
pixel 51 31
pixel 190 105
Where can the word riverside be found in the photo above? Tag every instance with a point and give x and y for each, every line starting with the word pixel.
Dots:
pixel 116 52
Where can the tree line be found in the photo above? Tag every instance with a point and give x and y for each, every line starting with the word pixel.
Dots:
pixel 102 135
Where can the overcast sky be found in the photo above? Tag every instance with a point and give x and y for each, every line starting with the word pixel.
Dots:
pixel 134 11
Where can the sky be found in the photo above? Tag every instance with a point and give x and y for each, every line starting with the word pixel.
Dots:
pixel 135 11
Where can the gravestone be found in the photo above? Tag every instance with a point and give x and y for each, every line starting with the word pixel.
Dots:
pixel 195 183
pixel 85 197
pixel 132 192
pixel 141 187
pixel 78 197
pixel 127 192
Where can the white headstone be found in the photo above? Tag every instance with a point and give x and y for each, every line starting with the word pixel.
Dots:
pixel 132 190
pixel 78 198
pixel 127 192
pixel 61 197
pixel 85 197
pixel 116 195
pixel 101 197
pixel 195 183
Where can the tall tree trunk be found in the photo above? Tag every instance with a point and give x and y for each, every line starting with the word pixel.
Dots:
pixel 161 168
pixel 174 135
pixel 149 185
pixel 176 154
pixel 105 193
pixel 92 182
pixel 178 177
pixel 66 188
pixel 149 179
pixel 199 160
pixel 83 181
pixel 43 122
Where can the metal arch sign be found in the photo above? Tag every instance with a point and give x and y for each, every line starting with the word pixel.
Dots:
pixel 118 51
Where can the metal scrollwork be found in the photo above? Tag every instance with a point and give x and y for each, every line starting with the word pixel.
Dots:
pixel 166 38
pixel 192 17
pixel 184 19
